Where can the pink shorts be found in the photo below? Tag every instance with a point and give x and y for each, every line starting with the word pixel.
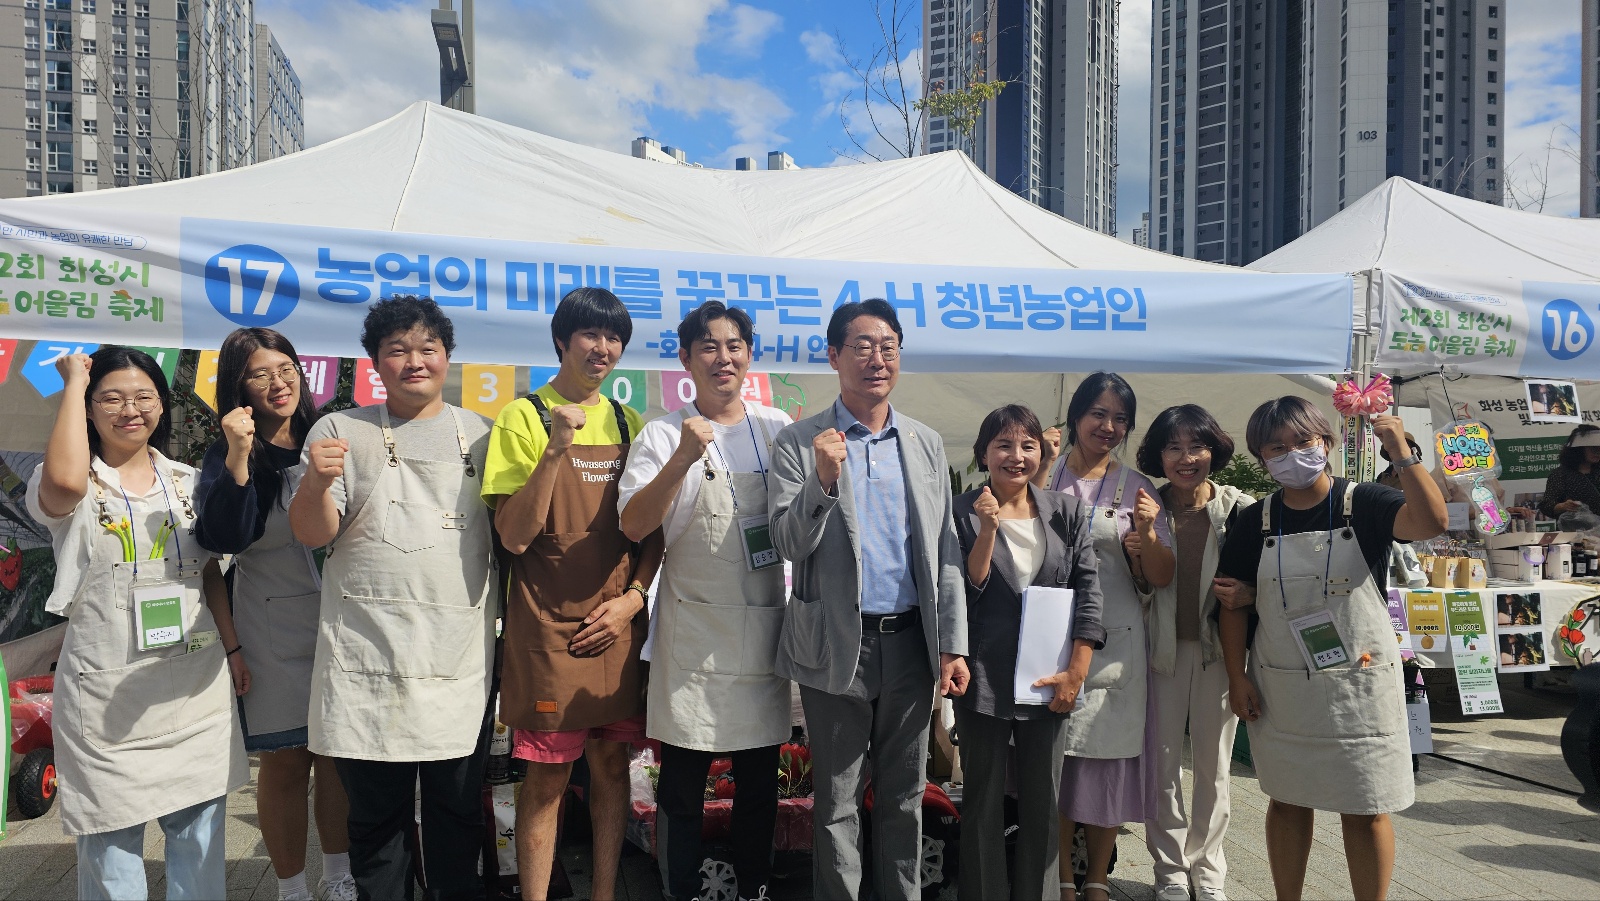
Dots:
pixel 565 747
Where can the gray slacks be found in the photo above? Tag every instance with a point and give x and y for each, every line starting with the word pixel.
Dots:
pixel 885 710
pixel 985 752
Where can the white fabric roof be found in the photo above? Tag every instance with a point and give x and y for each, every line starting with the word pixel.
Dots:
pixel 1401 226
pixel 434 170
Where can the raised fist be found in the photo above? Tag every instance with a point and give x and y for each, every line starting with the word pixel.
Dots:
pixel 74 369
pixel 828 447
pixel 239 427
pixel 696 435
pixel 987 506
pixel 327 457
pixel 565 421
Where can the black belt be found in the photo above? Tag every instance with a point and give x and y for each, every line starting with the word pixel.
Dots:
pixel 893 622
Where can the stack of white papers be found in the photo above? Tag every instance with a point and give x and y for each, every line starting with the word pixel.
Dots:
pixel 1045 643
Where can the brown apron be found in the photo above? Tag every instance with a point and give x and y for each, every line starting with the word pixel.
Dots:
pixel 580 560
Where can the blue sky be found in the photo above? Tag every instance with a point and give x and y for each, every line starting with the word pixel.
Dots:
pixel 729 78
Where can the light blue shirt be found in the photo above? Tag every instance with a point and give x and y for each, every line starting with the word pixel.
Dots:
pixel 878 484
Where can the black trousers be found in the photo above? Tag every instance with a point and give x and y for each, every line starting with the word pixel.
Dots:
pixel 680 813
pixel 382 808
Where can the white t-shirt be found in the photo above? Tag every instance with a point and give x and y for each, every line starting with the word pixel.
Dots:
pixel 734 448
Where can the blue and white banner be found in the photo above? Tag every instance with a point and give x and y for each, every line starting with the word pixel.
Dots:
pixel 1493 326
pixel 188 282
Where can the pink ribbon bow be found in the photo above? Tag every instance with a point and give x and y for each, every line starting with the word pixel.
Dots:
pixel 1376 397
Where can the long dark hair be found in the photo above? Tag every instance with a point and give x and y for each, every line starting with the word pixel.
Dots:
pixel 1573 457
pixel 112 358
pixel 1089 391
pixel 233 363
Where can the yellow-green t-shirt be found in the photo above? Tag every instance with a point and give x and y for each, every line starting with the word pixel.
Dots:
pixel 519 438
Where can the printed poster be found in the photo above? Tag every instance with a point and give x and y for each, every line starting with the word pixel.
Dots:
pixel 1472 649
pixel 1425 619
pixel 1519 630
pixel 1397 619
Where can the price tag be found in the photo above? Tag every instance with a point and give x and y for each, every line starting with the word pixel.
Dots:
pixel 758 550
pixel 1320 643
pixel 158 615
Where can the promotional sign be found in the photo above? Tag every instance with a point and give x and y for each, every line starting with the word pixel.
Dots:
pixel 627 387
pixel 1397 620
pixel 1553 401
pixel 1527 450
pixel 1519 630
pixel 205 379
pixel 1493 326
pixel 40 367
pixel 487 389
pixel 8 350
pixel 1425 618
pixel 369 387
pixel 1472 649
pixel 677 389
pixel 166 358
pixel 322 377
pixel 96 275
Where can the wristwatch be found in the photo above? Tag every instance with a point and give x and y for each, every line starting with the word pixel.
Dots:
pixel 1403 462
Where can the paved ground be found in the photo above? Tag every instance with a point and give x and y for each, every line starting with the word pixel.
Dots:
pixel 1471 834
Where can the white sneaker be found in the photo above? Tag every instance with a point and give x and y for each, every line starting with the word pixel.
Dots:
pixel 1173 891
pixel 1203 893
pixel 296 896
pixel 341 889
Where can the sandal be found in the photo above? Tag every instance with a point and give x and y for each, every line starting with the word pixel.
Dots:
pixel 1097 885
pixel 1066 887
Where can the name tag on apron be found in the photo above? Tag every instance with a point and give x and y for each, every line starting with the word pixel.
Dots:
pixel 1319 640
pixel 759 553
pixel 200 641
pixel 158 615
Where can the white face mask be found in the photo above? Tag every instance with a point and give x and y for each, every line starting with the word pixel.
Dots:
pixel 1299 468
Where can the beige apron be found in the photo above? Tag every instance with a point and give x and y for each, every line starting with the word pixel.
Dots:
pixel 401 670
pixel 1337 739
pixel 580 560
pixel 1108 722
pixel 140 734
pixel 277 596
pixel 711 682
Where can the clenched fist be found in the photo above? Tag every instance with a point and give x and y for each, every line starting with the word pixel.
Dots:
pixel 239 427
pixel 1051 446
pixel 1145 511
pixel 327 459
pixel 987 506
pixel 74 370
pixel 1391 434
pixel 695 436
pixel 828 447
pixel 565 421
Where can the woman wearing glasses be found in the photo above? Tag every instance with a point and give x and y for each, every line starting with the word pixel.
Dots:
pixel 246 481
pixel 1321 691
pixel 1109 773
pixel 1187 680
pixel 144 724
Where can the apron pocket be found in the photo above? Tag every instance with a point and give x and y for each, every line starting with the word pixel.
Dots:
pixel 409 639
pixel 412 527
pixel 708 638
pixel 1351 702
pixel 1112 665
pixel 292 625
pixel 762 628
pixel 154 697
pixel 722 536
pixel 803 636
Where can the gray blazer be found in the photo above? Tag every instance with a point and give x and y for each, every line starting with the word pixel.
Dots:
pixel 821 638
pixel 994 608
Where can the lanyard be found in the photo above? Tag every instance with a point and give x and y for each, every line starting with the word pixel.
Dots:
pixel 168 528
pixel 1327 566
pixel 761 465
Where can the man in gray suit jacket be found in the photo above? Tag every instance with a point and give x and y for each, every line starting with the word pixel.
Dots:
pixel 860 505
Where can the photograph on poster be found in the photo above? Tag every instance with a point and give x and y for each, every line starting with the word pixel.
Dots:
pixel 1552 401
pixel 1522 652
pixel 1518 610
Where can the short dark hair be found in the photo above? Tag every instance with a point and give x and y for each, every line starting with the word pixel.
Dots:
pixel 697 324
pixel 1090 390
pixel 1174 422
pixel 1291 412
pixel 233 363
pixel 402 313
pixel 586 308
pixel 848 313
pixel 1001 420
pixel 114 358
pixel 1572 457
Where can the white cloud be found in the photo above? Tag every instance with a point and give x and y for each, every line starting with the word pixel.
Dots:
pixel 744 30
pixel 846 97
pixel 821 48
pixel 1542 101
pixel 588 72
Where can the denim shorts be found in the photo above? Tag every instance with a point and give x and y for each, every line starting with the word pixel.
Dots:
pixel 272 741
